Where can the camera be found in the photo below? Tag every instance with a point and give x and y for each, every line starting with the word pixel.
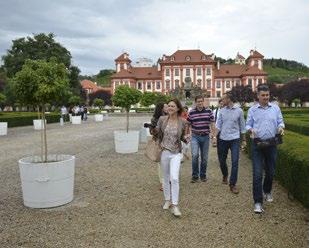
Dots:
pixel 148 125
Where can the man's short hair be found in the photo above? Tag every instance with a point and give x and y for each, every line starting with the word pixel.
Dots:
pixel 198 97
pixel 262 87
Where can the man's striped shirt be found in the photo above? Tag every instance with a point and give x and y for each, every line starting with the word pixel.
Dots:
pixel 200 120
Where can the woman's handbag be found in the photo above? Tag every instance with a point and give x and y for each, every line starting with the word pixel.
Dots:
pixel 153 150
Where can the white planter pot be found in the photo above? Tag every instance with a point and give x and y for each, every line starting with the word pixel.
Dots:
pixel 126 142
pixel 98 117
pixel 46 185
pixel 3 128
pixel 70 117
pixel 76 120
pixel 144 134
pixel 38 124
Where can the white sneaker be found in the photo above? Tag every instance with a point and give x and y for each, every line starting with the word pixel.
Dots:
pixel 175 211
pixel 258 208
pixel 166 205
pixel 269 197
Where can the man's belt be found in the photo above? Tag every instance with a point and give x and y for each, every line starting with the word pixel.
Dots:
pixel 268 142
pixel 200 133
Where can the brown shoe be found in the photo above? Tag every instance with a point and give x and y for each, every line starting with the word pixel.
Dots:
pixel 224 180
pixel 234 189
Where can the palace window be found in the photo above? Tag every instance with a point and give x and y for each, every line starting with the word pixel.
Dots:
pixel 187 72
pixel 218 84
pixel 208 71
pixel 199 71
pixel 237 82
pixel 208 83
pixel 250 82
pixel 199 83
pixel 167 84
pixel 188 58
pixel 260 81
pixel 139 85
pixel 148 85
pixel 228 84
pixel 208 93
pixel 167 72
pixel 218 93
pixel 176 72
pixel 177 83
pixel 158 85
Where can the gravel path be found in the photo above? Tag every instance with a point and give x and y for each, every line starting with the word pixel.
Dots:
pixel 118 203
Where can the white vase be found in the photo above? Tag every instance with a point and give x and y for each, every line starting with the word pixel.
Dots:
pixel 98 117
pixel 3 128
pixel 76 120
pixel 126 142
pixel 38 124
pixel 46 185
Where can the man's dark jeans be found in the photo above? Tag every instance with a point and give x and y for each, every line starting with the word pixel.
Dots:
pixel 223 148
pixel 199 144
pixel 263 158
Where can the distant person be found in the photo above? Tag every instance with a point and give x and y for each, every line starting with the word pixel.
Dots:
pixel 264 122
pixel 64 112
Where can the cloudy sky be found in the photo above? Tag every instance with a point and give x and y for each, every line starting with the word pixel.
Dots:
pixel 97 31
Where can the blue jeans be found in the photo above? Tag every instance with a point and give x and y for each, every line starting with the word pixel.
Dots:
pixel 199 144
pixel 223 149
pixel 264 158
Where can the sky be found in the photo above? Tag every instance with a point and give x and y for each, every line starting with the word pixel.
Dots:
pixel 98 31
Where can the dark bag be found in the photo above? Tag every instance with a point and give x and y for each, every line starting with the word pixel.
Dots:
pixel 277 140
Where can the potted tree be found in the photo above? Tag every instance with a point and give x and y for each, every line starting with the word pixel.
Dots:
pixel 126 141
pixel 3 125
pixel 98 103
pixel 46 180
pixel 75 101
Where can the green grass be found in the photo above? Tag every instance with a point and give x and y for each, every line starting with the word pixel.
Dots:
pixel 280 75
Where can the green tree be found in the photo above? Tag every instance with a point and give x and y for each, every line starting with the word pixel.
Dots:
pixel 40 47
pixel 148 98
pixel 242 94
pixel 2 99
pixel 74 100
pixel 161 98
pixel 38 83
pixel 125 97
pixel 98 103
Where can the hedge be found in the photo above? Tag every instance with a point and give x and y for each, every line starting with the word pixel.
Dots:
pixel 297 125
pixel 18 119
pixel 292 168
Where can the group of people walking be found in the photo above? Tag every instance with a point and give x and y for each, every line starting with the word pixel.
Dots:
pixel 224 129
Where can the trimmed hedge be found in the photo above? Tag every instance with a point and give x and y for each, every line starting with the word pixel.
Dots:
pixel 292 168
pixel 297 125
pixel 18 119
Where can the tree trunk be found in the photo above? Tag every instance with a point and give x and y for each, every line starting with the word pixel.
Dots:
pixel 127 120
pixel 45 140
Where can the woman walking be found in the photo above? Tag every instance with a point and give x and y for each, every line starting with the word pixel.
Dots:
pixel 171 131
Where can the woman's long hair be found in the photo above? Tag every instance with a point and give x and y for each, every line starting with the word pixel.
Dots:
pixel 158 110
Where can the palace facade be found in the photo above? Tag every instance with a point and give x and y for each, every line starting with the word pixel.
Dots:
pixel 186 70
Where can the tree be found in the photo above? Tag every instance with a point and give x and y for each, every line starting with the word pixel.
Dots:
pixel 40 47
pixel 98 103
pixel 102 94
pixel 125 97
pixel 148 98
pixel 38 83
pixel 74 100
pixel 161 98
pixel 295 90
pixel 242 94
pixel 2 99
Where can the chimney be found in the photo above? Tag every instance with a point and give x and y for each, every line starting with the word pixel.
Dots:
pixel 218 64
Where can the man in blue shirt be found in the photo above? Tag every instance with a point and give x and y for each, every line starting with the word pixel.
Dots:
pixel 264 121
pixel 230 124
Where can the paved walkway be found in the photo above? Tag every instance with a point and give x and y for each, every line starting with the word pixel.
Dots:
pixel 118 203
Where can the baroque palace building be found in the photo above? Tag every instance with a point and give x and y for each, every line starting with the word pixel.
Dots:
pixel 186 70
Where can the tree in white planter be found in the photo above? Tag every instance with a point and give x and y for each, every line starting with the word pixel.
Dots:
pixel 98 103
pixel 126 142
pixel 47 180
pixel 3 125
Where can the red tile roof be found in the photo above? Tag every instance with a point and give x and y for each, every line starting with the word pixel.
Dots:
pixel 139 73
pixel 227 71
pixel 255 54
pixel 187 56
pixel 87 84
pixel 123 57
